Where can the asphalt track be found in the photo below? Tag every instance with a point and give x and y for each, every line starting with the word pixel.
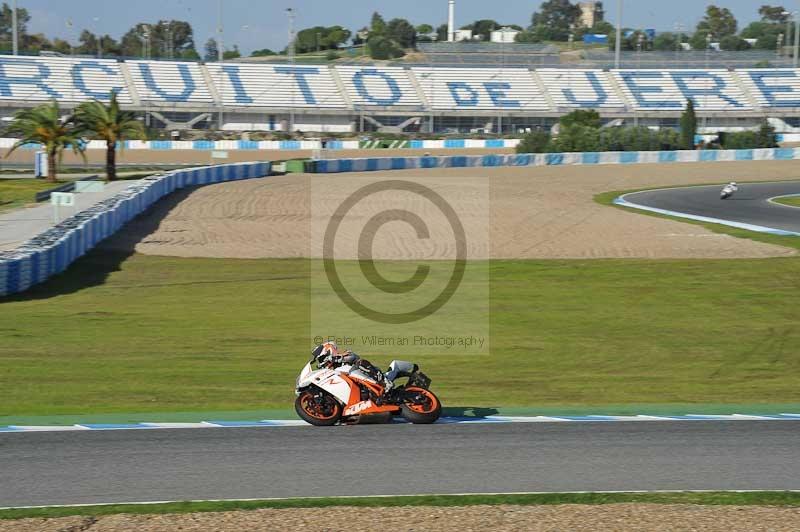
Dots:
pixel 167 465
pixel 749 205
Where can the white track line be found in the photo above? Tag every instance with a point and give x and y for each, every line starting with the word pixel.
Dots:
pixel 267 423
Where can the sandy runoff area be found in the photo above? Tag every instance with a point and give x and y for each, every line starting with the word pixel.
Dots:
pixel 527 213
pixel 602 518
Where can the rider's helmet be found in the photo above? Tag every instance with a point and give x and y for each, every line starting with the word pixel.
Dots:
pixel 733 183
pixel 324 352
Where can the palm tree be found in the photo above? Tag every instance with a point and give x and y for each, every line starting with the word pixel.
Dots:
pixel 99 121
pixel 45 125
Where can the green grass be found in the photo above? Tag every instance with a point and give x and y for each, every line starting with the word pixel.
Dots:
pixel 766 498
pixel 16 193
pixel 791 201
pixel 146 334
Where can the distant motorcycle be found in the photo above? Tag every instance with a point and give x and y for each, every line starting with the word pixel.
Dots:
pixel 729 190
pixel 334 394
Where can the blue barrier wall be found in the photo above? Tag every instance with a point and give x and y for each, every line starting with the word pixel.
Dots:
pixel 54 250
pixel 328 166
pixel 274 145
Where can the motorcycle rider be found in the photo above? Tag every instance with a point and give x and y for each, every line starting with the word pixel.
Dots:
pixel 327 354
pixel 729 189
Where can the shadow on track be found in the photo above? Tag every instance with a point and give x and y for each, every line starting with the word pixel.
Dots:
pixel 94 268
pixel 477 412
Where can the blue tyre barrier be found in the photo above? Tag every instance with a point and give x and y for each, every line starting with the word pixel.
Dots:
pixel 52 251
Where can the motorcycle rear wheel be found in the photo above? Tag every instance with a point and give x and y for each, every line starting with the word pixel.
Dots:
pixel 320 414
pixel 426 412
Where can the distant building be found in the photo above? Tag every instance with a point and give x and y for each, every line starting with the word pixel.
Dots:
pixel 504 35
pixel 462 35
pixel 591 13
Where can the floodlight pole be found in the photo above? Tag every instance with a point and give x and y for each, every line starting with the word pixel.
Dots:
pixel 502 67
pixel 796 39
pixel 618 44
pixel 291 51
pixel 15 29
pixel 221 59
pixel 220 33
pixel 96 20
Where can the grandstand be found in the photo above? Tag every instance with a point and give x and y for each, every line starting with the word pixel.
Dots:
pixel 691 59
pixel 350 98
pixel 492 54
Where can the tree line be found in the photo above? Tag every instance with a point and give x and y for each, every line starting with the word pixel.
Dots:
pixel 555 20
pixel 582 131
pixel 160 39
pixel 719 24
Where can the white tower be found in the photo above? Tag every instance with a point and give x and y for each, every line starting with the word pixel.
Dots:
pixel 451 21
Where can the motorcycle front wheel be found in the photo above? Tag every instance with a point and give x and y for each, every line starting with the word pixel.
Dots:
pixel 318 408
pixel 425 410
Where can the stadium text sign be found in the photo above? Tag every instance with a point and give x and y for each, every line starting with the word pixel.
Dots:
pixel 459 89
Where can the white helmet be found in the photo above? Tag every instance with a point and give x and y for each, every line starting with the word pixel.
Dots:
pixel 733 183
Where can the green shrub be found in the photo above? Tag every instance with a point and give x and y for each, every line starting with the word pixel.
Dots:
pixel 766 137
pixel 584 138
pixel 534 142
pixel 745 140
pixel 576 138
pixel 580 131
pixel 583 117
pixel 688 126
pixel 384 48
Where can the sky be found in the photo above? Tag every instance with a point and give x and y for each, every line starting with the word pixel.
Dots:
pixel 256 24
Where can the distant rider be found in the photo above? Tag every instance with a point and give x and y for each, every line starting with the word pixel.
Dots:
pixel 327 354
pixel 730 189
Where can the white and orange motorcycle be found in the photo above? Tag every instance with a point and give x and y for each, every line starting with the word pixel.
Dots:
pixel 354 393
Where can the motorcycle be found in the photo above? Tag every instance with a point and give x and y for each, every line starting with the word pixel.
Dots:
pixel 352 394
pixel 727 191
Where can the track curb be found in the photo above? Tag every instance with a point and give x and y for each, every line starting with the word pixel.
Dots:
pixel 273 423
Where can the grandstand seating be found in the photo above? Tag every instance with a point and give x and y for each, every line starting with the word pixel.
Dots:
pixel 300 86
pixel 773 88
pixel 481 89
pixel 690 59
pixel 711 90
pixel 35 79
pixel 580 88
pixel 493 60
pixel 170 83
pixel 490 54
pixel 379 87
pixel 465 47
pixel 254 90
